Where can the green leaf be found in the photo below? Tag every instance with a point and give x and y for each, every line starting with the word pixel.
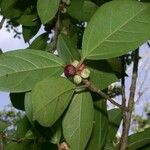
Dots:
pixel 145 1
pixel 100 127
pixel 23 125
pixel 56 132
pixel 17 146
pixel 139 140
pixel 115 118
pixel 100 2
pixel 50 98
pixel 27 20
pixel 78 121
pixel 116 66
pixel 29 134
pixel 29 32
pixel 102 74
pixel 9 9
pixel 30 146
pixel 115 29
pixel 47 9
pixel 40 43
pixel 3 125
pixel 74 8
pixel 22 69
pixel 87 9
pixel 28 106
pixel 17 100
pixel 66 49
pixel 146 147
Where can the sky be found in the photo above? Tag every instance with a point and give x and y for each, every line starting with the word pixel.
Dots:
pixel 8 42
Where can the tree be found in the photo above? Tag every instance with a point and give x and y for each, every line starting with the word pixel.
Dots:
pixel 64 95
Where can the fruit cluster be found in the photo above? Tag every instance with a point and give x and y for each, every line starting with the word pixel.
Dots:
pixel 76 71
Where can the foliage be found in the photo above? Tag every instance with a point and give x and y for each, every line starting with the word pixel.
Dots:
pixel 142 122
pixel 60 109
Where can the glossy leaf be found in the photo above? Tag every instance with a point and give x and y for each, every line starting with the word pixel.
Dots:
pixel 66 49
pixel 28 106
pixel 146 147
pixel 100 2
pixel 74 8
pixel 47 9
pixel 17 100
pixel 40 42
pixel 29 32
pixel 28 20
pixel 30 145
pixel 139 140
pixel 17 146
pixel 100 126
pixel 22 69
pixel 115 29
pixel 50 98
pixel 23 125
pixel 78 121
pixel 115 118
pixel 116 66
pixel 87 9
pixel 102 74
pixel 29 134
pixel 9 9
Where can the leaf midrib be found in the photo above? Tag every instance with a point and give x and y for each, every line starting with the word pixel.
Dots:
pixel 115 31
pixel 140 140
pixel 67 48
pixel 36 69
pixel 10 54
pixel 34 116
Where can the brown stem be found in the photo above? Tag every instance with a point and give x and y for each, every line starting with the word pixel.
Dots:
pixel 56 32
pixel 2 22
pixel 63 146
pixel 3 136
pixel 124 138
pixel 93 88
pixel 123 99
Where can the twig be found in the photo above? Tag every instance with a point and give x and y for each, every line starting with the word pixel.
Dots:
pixel 123 145
pixel 56 32
pixel 17 140
pixel 2 22
pixel 123 98
pixel 148 44
pixel 93 88
pixel 63 146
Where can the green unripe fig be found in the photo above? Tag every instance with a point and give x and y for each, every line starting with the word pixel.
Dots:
pixel 64 1
pixel 77 79
pixel 85 73
pixel 68 2
pixel 75 63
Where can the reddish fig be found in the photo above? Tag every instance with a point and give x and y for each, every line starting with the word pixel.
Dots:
pixel 69 70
